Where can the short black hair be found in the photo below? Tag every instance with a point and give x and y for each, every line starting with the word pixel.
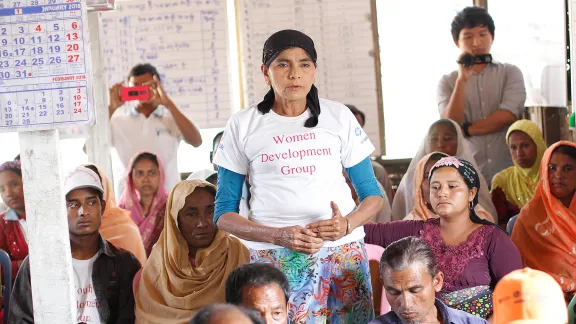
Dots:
pixel 566 150
pixel 101 197
pixel 472 17
pixel 219 135
pixel 204 315
pixel 142 69
pixel 356 111
pixel 146 156
pixel 17 158
pixel 254 275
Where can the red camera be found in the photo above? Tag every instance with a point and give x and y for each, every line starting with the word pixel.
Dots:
pixel 141 93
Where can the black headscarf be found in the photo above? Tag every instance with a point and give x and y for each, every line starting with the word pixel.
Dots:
pixel 277 43
pixel 471 178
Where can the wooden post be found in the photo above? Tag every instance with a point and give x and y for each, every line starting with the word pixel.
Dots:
pixel 98 138
pixel 48 239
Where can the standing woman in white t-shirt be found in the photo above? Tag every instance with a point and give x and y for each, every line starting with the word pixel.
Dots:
pixel 303 219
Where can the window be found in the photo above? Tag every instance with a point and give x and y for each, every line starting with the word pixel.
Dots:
pixel 416 49
pixel 535 42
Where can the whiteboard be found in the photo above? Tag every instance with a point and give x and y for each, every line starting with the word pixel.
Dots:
pixel 44 65
pixel 343 35
pixel 187 41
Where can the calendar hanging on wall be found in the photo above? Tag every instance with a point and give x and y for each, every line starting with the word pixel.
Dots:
pixel 44 64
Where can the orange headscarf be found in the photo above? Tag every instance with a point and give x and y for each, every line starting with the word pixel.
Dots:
pixel 117 227
pixel 420 210
pixel 545 233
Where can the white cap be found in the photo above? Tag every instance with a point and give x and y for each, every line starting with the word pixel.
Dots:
pixel 82 177
pixel 203 174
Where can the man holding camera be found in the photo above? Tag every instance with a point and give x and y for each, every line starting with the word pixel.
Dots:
pixel 155 125
pixel 484 97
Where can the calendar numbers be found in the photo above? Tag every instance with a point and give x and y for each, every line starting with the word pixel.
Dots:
pixel 43 77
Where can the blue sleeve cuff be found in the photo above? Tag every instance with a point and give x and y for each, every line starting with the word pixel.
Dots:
pixel 229 193
pixel 362 177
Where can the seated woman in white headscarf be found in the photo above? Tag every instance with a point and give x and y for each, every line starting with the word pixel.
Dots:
pixel 444 136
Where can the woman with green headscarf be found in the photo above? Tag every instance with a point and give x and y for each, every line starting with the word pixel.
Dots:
pixel 513 187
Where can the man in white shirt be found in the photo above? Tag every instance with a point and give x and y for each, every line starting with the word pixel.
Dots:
pixel 103 274
pixel 155 126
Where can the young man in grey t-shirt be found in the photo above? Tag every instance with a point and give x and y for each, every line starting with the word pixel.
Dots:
pixel 484 99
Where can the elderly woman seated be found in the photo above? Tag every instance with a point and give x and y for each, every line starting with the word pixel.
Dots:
pixel 189 264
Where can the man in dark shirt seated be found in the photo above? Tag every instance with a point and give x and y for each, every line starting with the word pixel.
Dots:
pixel 410 275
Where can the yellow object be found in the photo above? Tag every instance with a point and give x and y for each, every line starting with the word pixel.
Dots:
pixel 519 184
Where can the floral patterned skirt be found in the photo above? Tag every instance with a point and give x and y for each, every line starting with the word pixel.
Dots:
pixel 331 286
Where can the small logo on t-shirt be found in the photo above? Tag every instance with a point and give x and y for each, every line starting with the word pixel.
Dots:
pixel 221 146
pixel 358 131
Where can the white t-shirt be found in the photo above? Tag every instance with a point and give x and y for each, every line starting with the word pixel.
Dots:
pixel 295 172
pixel 133 133
pixel 86 303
